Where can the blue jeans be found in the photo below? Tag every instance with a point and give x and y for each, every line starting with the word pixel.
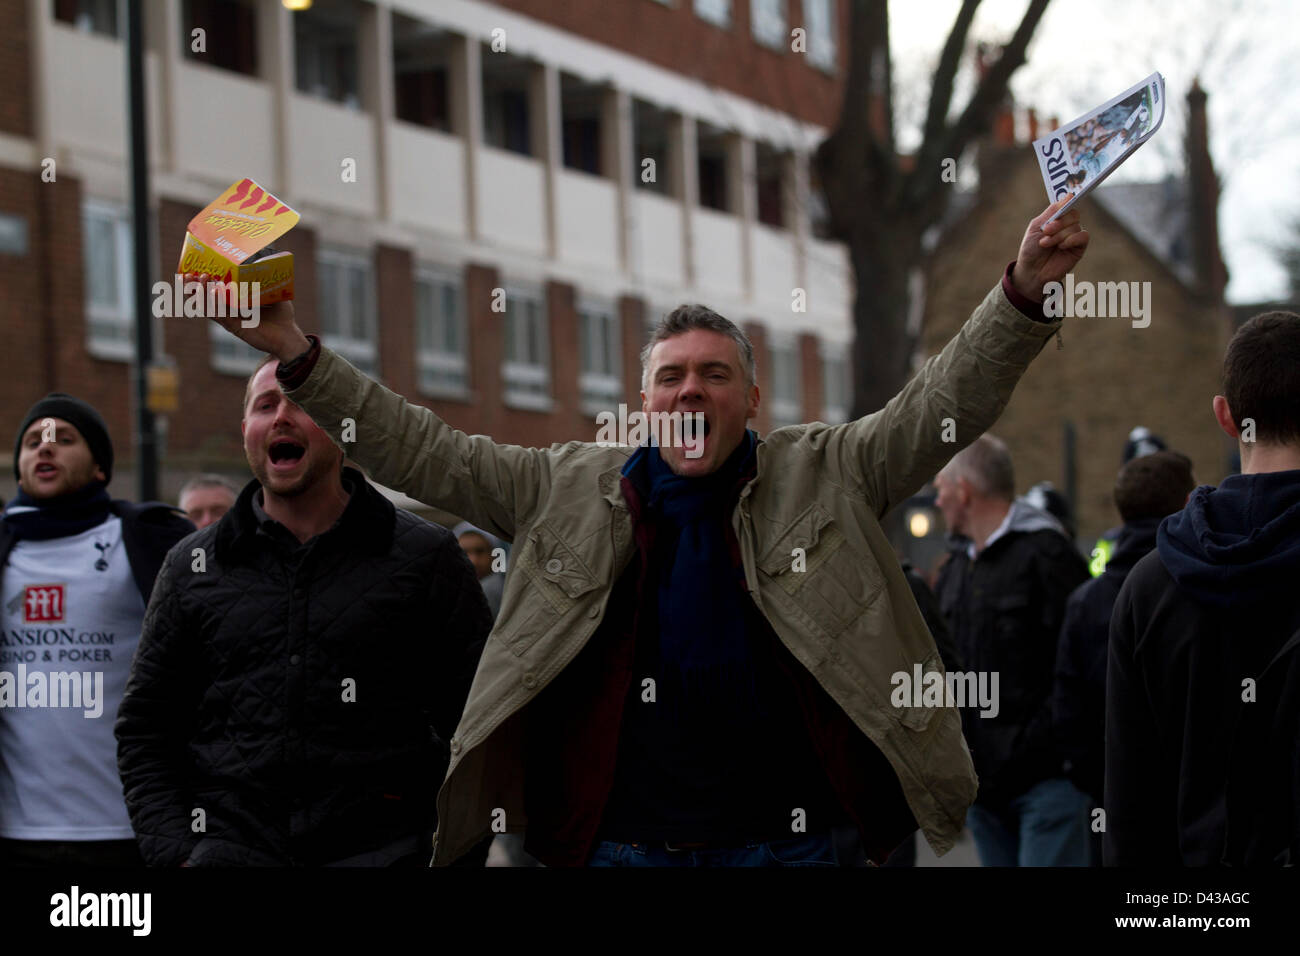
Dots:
pixel 1047 825
pixel 813 849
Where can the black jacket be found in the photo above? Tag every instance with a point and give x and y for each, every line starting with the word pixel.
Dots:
pixel 1005 610
pixel 1203 685
pixel 148 532
pixel 299 696
pixel 1079 696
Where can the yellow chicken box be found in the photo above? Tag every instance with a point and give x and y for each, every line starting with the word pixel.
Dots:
pixel 224 239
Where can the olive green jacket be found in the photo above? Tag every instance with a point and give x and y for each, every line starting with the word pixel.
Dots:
pixel 819 566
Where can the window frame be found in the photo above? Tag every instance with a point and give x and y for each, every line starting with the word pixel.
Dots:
pixel 515 374
pixel 779 38
pixel 785 411
pixel 434 360
pixel 701 8
pixel 831 352
pixel 360 352
pixel 121 314
pixel 600 391
pixel 823 54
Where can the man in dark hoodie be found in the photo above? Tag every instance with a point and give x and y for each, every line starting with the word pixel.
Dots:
pixel 1203 684
pixel 1146 491
pixel 1003 592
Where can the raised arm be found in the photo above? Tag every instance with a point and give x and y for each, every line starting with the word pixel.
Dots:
pixel 401 445
pixel 959 393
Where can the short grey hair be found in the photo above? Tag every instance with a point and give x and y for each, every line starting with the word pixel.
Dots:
pixel 986 464
pixel 208 481
pixel 686 318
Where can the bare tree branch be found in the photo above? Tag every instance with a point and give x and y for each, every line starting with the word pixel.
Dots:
pixel 946 72
pixel 922 183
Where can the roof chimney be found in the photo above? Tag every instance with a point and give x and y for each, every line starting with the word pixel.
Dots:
pixel 1203 195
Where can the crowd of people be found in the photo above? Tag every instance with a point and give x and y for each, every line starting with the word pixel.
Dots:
pixel 691 659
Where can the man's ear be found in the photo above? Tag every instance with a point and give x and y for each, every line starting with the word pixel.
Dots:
pixel 645 406
pixel 751 410
pixel 1224 416
pixel 243 427
pixel 99 474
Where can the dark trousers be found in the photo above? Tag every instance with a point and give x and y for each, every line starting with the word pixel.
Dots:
pixel 86 853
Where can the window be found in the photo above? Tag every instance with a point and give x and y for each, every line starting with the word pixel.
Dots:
pixel 601 381
pixel 785 382
pixel 229 32
pixel 88 16
pixel 819 17
pixel 441 357
pixel 506 121
pixel 715 11
pixel 347 318
pixel 106 246
pixel 711 163
pixel 527 368
pixel 768 22
pixel 581 108
pixel 650 128
pixel 421 73
pixel 835 383
pixel 770 185
pixel 325 51
pixel 231 354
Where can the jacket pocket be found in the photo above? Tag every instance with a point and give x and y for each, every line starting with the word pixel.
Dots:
pixel 557 579
pixel 917 717
pixel 813 563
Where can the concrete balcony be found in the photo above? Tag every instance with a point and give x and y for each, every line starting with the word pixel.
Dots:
pixel 224 125
pixel 657 239
pixel 774 253
pixel 427 178
pixel 321 136
pixel 717 250
pixel 588 219
pixel 510 191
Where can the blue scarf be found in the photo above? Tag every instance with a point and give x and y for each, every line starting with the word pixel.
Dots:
pixel 706 668
pixel 43 519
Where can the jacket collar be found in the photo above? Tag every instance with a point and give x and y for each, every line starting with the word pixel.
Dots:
pixel 366 523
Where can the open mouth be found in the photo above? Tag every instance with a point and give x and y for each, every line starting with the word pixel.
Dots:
pixel 695 427
pixel 46 471
pixel 285 452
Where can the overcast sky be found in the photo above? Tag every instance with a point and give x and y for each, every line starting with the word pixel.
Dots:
pixel 1244 52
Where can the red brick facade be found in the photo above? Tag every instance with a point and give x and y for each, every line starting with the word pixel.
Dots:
pixel 675 37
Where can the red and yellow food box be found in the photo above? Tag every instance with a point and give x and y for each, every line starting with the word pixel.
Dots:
pixel 223 237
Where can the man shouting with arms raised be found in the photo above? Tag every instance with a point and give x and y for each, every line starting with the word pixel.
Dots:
pixel 693 660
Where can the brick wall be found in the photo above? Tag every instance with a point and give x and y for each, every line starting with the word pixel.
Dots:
pixel 675 38
pixel 15 69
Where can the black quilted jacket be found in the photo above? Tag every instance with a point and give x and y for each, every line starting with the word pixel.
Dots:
pixel 290 705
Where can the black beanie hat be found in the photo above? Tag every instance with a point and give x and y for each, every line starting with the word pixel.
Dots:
pixel 78 413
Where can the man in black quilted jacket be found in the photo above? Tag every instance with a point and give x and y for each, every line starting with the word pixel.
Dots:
pixel 302 663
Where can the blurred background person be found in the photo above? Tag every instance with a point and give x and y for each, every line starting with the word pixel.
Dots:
pixel 77 569
pixel 1147 489
pixel 479 547
pixel 205 498
pixel 1003 593
pixel 1141 441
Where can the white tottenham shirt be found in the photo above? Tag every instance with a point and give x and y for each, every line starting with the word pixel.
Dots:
pixel 71 620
